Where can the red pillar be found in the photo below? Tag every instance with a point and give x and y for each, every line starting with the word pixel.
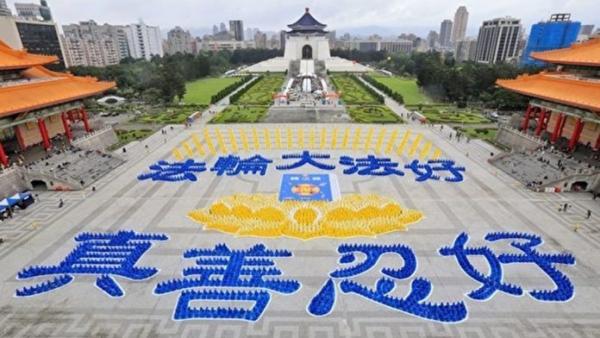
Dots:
pixel 540 125
pixel 44 133
pixel 86 123
pixel 3 157
pixel 576 134
pixel 68 132
pixel 557 127
pixel 525 122
pixel 597 147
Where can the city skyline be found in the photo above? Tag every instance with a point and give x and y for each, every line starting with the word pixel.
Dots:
pixel 357 17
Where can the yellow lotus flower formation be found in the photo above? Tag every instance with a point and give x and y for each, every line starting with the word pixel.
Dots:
pixel 264 215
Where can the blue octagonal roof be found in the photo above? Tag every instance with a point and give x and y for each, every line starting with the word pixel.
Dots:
pixel 307 23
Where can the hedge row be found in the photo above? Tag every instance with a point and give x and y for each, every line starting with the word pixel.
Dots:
pixel 229 89
pixel 236 97
pixel 387 90
pixel 369 90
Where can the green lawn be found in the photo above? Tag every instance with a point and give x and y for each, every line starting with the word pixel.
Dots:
pixel 262 92
pixel 240 114
pixel 352 92
pixel 406 87
pixel 200 91
pixel 170 116
pixel 373 114
pixel 435 115
pixel 487 134
pixel 128 136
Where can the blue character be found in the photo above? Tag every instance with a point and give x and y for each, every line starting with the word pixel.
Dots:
pixel 225 275
pixel 428 171
pixel 306 158
pixel 494 281
pixel 370 166
pixel 173 172
pixel 102 254
pixel 414 303
pixel 234 165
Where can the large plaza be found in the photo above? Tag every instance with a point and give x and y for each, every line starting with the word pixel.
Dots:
pixel 306 195
pixel 486 201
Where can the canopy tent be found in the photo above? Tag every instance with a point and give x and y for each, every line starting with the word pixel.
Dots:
pixel 14 200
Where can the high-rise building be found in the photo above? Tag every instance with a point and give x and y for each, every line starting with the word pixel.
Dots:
pixel 215 29
pixel 459 27
pixel 585 32
pixel 404 46
pixel 144 41
pixel 274 42
pixel 37 34
pixel 260 39
pixel 89 44
pixel 498 40
pixel 332 37
pixel 445 33
pixel 179 41
pixel 4 10
pixel 558 32
pixel 432 39
pixel 34 11
pixel 465 49
pixel 236 28
pixel 222 27
pixel 282 39
pixel 586 29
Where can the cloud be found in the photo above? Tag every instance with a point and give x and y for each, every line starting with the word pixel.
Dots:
pixel 273 15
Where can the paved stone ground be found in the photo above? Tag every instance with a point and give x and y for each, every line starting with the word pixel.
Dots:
pixel 486 201
pixel 318 114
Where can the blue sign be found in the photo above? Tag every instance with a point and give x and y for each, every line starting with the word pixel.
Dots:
pixel 311 187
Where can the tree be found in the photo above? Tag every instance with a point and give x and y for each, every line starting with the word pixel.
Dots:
pixel 172 83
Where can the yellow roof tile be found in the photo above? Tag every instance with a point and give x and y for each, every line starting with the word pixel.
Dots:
pixel 557 88
pixel 54 88
pixel 19 59
pixel 584 54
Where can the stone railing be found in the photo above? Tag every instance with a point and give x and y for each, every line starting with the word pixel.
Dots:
pixel 517 140
pixel 97 140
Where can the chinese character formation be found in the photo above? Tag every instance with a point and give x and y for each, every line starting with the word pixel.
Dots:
pixel 414 303
pixel 234 165
pixel 228 276
pixel 173 172
pixel 100 254
pixel 494 281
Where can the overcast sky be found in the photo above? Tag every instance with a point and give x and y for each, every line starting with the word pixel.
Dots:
pixel 388 16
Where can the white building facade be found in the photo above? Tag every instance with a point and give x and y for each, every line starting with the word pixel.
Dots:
pixel 179 41
pixel 89 44
pixel 307 40
pixel 498 40
pixel 144 41
pixel 307 47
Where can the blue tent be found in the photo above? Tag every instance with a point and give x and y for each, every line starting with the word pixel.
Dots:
pixel 25 195
pixel 14 200
pixel 4 204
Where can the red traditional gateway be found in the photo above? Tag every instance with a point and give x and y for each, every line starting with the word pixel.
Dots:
pixel 565 101
pixel 36 103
